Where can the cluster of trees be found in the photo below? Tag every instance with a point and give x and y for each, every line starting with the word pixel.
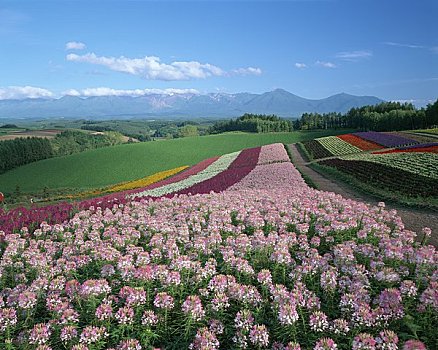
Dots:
pixel 21 151
pixel 258 123
pixel 70 141
pixel 386 116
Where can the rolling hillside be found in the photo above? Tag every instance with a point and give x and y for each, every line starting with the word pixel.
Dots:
pixel 111 165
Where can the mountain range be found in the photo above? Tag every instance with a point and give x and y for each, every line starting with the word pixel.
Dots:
pixel 213 105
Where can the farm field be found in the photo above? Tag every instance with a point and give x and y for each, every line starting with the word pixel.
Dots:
pixel 48 133
pixel 108 166
pixel 403 165
pixel 265 261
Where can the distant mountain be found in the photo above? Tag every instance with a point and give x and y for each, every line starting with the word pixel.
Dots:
pixel 214 105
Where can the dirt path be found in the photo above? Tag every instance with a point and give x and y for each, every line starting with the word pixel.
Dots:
pixel 414 219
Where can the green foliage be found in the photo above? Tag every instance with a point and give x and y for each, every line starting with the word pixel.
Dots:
pixel 386 116
pixel 70 141
pixel 21 151
pixel 9 126
pixel 258 123
pixel 188 130
pixel 109 165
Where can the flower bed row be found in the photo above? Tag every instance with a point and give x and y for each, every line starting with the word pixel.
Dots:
pixel 425 147
pixel 386 177
pixel 316 150
pixel 359 142
pixel 221 164
pixel 130 185
pixel 386 139
pixel 418 163
pixel 208 175
pixel 274 153
pixel 272 268
pixel 337 146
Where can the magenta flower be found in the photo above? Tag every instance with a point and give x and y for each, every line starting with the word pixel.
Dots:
pixel 193 307
pixel 204 340
pixel 259 336
pixel 325 344
pixel 163 301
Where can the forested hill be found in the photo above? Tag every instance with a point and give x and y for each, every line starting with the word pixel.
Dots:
pixel 386 116
pixel 253 123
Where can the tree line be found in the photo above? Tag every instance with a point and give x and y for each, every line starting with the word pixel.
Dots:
pixel 21 151
pixel 258 123
pixel 386 116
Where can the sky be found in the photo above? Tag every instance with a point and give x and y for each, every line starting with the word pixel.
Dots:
pixel 314 49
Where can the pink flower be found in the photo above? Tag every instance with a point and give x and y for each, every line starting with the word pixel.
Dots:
pixel 364 341
pixel 104 312
pixel 163 301
pixel 287 313
pixel 318 321
pixel 204 340
pixel 8 318
pixel 414 344
pixel 244 320
pixel 68 333
pixel 125 315
pixel 149 318
pixel 27 300
pixel 94 288
pixel 193 306
pixel 325 344
pixel 129 344
pixel 40 334
pixel 259 335
pixel 93 334
pixel 387 340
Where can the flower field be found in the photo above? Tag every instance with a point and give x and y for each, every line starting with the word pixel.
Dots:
pixel 410 172
pixel 386 139
pixel 264 263
pixel 330 146
pixel 336 146
pixel 359 142
pixel 419 163
pixel 425 147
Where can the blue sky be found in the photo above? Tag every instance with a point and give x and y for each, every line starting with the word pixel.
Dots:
pixel 386 48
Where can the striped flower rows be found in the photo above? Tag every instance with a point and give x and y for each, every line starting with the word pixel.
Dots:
pixel 267 264
pixel 424 164
pixel 212 170
pixel 337 146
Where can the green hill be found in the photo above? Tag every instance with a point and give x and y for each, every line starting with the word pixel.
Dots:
pixel 105 166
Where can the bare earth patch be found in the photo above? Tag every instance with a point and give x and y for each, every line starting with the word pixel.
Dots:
pixel 49 133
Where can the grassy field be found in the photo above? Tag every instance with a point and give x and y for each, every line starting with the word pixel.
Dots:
pixel 106 166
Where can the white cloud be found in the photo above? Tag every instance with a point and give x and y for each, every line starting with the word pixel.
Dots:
pixel 410 46
pixel 105 91
pixel 325 64
pixel 433 49
pixel 354 55
pixel 75 45
pixel 151 67
pixel 300 65
pixel 22 92
pixel 248 71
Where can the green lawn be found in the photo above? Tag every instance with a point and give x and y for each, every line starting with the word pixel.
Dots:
pixel 105 166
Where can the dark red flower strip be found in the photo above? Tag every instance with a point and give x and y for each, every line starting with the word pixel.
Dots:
pixel 430 149
pixel 178 177
pixel 245 162
pixel 54 214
